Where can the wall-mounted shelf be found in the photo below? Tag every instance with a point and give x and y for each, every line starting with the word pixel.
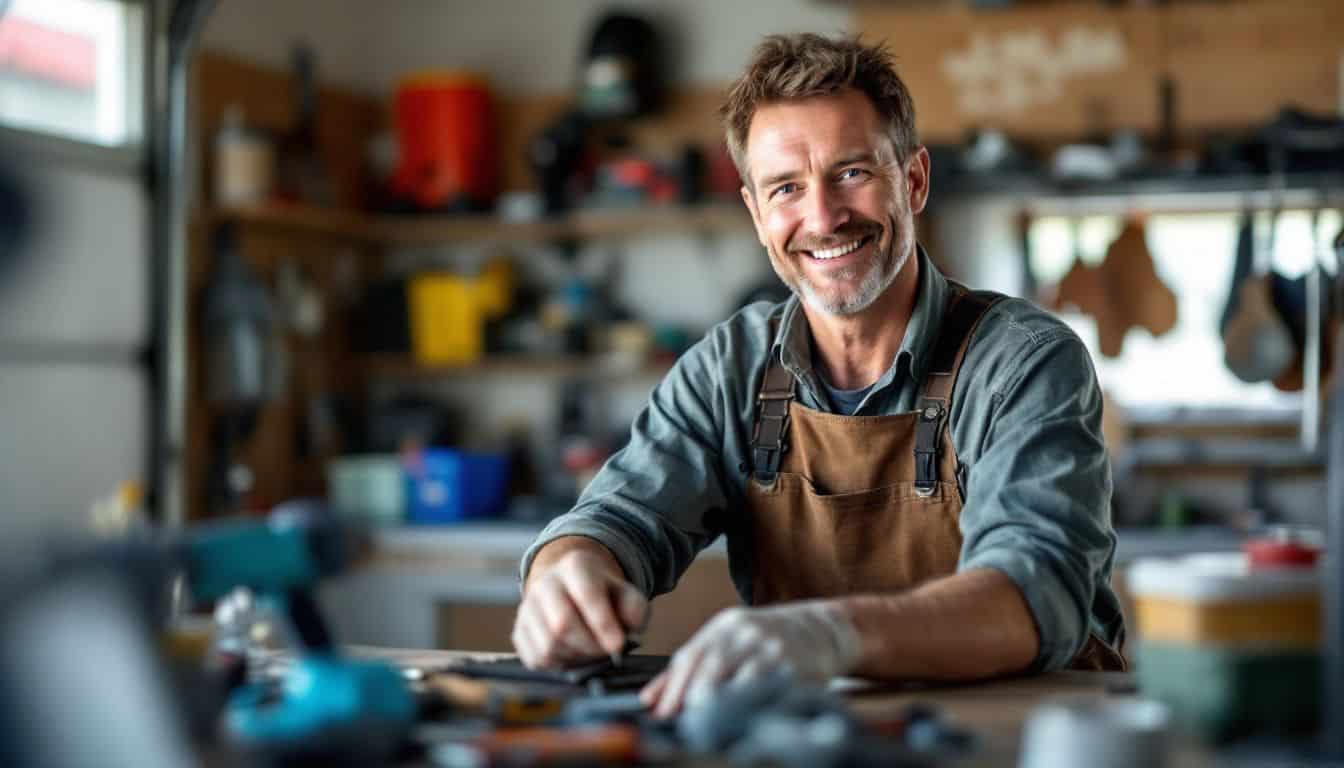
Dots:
pixel 1170 193
pixel 509 365
pixel 404 230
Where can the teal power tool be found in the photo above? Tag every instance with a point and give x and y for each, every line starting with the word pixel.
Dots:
pixel 327 707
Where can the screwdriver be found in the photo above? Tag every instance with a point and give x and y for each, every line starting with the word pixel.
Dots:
pixel 632 640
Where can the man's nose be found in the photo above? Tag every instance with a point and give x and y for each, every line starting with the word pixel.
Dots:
pixel 827 209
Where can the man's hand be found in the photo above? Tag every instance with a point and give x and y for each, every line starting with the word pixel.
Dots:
pixel 814 640
pixel 577 606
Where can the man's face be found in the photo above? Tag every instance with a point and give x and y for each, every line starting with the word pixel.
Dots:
pixel 832 206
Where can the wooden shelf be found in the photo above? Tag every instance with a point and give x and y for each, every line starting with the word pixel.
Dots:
pixel 399 367
pixel 388 229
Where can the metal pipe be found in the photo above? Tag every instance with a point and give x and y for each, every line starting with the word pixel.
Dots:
pixel 1311 352
pixel 172 197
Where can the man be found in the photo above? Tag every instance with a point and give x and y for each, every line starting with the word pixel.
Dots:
pixel 911 478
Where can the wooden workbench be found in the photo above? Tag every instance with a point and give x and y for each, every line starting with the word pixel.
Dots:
pixel 995 711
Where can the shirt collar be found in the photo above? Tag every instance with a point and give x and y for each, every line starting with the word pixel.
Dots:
pixel 926 319
pixel 793 341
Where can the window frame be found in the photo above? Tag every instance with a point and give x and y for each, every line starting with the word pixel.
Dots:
pixel 129 157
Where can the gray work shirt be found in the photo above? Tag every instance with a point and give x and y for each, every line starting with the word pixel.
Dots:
pixel 1025 421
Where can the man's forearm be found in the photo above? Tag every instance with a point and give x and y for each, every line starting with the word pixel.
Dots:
pixel 554 550
pixel 971 625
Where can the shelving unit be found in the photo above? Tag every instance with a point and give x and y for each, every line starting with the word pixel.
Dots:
pixel 412 230
pixel 377 231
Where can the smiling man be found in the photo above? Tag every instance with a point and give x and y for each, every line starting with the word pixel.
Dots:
pixel 910 475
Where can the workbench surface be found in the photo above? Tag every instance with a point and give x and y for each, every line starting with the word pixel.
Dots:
pixel 995 711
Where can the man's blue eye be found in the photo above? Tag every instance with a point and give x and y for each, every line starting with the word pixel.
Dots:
pixel 784 189
pixel 851 173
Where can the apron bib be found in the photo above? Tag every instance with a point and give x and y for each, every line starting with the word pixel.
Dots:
pixel 844 505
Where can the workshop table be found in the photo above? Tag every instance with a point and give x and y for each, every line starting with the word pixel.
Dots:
pixel 994 711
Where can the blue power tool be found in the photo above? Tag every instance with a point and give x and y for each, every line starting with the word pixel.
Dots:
pixel 327 706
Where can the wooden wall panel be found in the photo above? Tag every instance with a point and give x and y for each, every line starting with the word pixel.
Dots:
pixel 346 122
pixel 471 626
pixel 1237 62
pixel 970 68
pixel 1234 64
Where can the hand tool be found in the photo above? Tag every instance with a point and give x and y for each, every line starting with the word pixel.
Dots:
pixel 458 695
pixel 633 639
pixel 513 704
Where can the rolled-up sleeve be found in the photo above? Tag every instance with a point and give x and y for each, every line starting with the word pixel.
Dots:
pixel 1038 493
pixel 658 501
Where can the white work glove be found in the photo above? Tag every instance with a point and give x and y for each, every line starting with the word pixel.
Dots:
pixel 811 640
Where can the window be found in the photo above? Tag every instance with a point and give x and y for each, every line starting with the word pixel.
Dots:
pixel 1193 254
pixel 72 68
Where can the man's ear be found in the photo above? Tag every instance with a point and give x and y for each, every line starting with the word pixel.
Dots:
pixel 917 179
pixel 750 201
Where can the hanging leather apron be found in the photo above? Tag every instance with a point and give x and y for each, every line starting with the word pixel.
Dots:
pixel 842 505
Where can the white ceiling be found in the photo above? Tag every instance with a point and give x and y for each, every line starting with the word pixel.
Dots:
pixel 524 46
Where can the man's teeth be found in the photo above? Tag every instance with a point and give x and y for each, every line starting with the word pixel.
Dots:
pixel 840 250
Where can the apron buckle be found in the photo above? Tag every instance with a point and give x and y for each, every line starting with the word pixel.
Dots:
pixel 926 449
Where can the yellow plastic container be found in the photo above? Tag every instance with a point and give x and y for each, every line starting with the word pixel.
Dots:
pixel 447 320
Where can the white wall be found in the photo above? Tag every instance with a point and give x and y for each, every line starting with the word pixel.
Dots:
pixel 524 46
pixel 340 31
pixel 83 276
pixel 69 433
pixel 977 242
pixel 72 429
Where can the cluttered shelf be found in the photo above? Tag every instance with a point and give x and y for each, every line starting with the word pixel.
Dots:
pixel 514 365
pixel 402 229
pixel 1193 192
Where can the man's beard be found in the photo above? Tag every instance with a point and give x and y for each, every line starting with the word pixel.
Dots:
pixel 882 269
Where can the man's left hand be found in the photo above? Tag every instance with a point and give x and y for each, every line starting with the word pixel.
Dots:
pixel 813 640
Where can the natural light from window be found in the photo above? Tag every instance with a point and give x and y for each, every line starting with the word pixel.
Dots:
pixel 1194 256
pixel 66 66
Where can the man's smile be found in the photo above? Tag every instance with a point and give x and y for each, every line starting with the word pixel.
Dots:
pixel 837 253
pixel 826 254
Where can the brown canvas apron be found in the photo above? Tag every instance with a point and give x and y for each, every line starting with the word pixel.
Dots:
pixel 865 504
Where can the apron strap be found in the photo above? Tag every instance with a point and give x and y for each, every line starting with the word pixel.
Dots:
pixel 772 417
pixel 964 310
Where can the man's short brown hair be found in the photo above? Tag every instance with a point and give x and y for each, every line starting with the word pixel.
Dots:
pixel 799 66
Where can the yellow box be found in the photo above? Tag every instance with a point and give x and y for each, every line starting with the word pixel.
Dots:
pixel 1219 600
pixel 447 320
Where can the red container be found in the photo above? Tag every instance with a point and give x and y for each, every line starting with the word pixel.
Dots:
pixel 1269 552
pixel 446 137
